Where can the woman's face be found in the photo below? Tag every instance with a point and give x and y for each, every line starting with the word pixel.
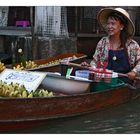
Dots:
pixel 114 26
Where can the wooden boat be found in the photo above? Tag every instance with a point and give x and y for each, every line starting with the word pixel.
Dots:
pixel 55 66
pixel 17 113
pixel 74 57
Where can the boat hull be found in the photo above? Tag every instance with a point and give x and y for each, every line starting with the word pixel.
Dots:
pixel 28 111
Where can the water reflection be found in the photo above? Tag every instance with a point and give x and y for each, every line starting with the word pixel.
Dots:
pixel 123 119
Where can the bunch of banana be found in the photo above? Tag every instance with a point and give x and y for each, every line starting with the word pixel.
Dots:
pixel 11 90
pixel 16 90
pixel 55 62
pixel 29 65
pixel 2 67
pixel 42 93
pixel 18 67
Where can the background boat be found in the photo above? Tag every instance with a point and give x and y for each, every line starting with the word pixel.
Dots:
pixel 52 64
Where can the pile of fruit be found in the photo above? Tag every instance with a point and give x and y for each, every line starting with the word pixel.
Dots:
pixel 51 63
pixel 16 90
pixel 29 65
pixel 2 67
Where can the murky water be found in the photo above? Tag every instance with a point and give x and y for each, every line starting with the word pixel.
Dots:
pixel 123 119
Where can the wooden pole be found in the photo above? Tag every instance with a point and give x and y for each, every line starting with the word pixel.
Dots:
pixel 34 46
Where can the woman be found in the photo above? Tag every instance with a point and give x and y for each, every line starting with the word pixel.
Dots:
pixel 118 51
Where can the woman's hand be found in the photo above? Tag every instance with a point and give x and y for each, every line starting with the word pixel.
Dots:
pixel 85 64
pixel 131 75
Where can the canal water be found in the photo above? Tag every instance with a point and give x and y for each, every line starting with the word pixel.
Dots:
pixel 122 119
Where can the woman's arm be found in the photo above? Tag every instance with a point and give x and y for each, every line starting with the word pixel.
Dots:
pixel 135 58
pixel 99 55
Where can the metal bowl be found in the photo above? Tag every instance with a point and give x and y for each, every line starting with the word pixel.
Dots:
pixel 61 84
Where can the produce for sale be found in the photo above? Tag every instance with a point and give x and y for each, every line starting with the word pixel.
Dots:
pixel 26 65
pixel 16 90
pixel 2 66
pixel 29 65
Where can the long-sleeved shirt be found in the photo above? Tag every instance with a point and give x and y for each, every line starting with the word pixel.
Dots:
pixel 133 51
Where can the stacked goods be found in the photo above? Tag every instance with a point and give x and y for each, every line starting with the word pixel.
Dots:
pixel 95 74
pixel 101 75
pixel 16 90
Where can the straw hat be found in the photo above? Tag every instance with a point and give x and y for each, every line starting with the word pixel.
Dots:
pixel 104 13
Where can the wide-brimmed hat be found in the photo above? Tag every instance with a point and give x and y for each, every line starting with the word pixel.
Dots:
pixel 104 13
